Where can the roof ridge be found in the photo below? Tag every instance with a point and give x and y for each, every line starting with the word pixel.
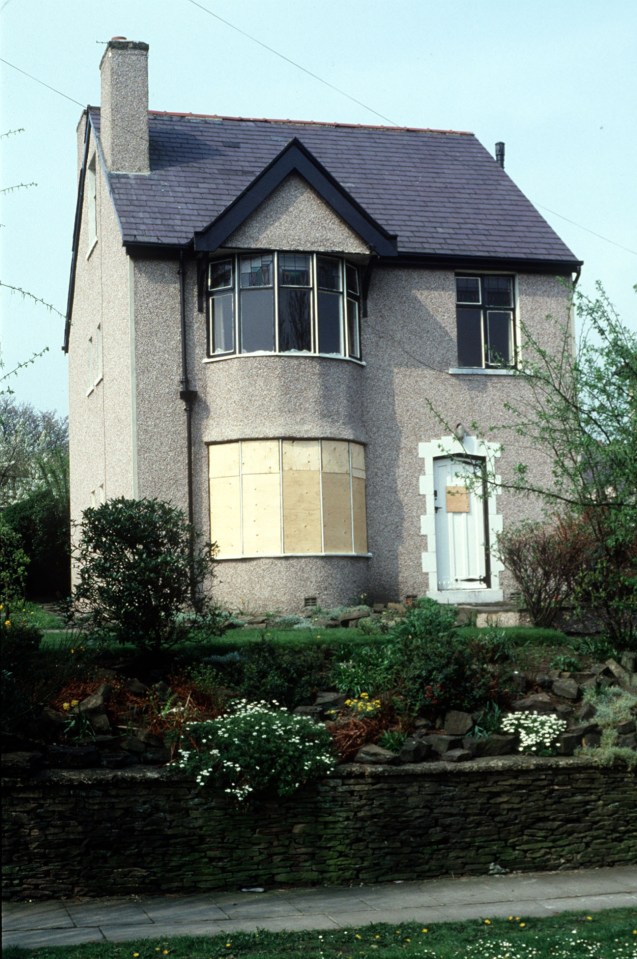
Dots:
pixel 321 123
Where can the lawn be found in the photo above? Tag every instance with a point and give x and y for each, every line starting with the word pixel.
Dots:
pixel 605 935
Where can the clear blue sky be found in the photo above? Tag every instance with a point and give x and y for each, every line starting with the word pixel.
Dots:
pixel 555 79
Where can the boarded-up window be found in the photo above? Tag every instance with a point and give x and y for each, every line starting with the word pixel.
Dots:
pixel 278 497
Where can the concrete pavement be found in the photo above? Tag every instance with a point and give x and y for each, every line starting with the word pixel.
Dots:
pixel 32 924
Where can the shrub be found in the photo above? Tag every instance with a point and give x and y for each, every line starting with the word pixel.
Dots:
pixel 537 733
pixel 13 564
pixel 545 562
pixel 139 571
pixel 255 748
pixel 271 672
pixel 19 637
pixel 427 664
pixel 42 521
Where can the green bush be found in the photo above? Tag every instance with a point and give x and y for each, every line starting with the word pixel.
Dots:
pixel 19 636
pixel 13 564
pixel 256 748
pixel 427 664
pixel 288 676
pixel 41 519
pixel 139 572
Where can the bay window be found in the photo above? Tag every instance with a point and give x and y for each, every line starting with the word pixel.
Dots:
pixel 283 303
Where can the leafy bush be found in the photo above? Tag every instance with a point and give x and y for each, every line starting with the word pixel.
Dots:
pixel 545 562
pixel 255 748
pixel 13 564
pixel 19 636
pixel 139 571
pixel 274 673
pixel 42 521
pixel 427 664
pixel 537 733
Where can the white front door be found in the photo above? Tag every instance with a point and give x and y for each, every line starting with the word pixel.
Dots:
pixel 461 551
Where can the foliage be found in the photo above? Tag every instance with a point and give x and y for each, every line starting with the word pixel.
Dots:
pixel 139 570
pixel 581 412
pixel 392 739
pixel 546 561
pixel 33 451
pixel 537 733
pixel 42 521
pixel 19 637
pixel 273 672
pixel 13 564
pixel 255 748
pixel 426 664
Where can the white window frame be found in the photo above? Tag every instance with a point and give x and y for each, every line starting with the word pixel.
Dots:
pixel 349 299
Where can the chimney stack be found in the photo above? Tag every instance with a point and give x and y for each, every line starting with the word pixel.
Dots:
pixel 499 153
pixel 124 108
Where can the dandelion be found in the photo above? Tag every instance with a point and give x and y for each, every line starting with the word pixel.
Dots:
pixel 487 922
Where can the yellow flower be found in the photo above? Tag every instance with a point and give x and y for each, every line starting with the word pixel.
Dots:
pixel 7 623
pixel 74 702
pixel 358 936
pixel 66 707
pixel 522 925
pixel 487 922
pixel 135 954
pixel 424 930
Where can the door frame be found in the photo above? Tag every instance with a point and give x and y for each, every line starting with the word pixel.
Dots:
pixel 471 448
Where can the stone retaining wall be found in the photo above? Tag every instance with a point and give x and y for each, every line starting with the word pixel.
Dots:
pixel 104 833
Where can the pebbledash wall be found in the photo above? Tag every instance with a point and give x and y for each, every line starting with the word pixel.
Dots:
pixel 98 833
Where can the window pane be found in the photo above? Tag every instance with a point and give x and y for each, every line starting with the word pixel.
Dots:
pixel 353 329
pixel 352 280
pixel 330 327
pixel 498 290
pixel 257 320
pixel 256 271
pixel 294 269
pixel 329 273
pixel 499 338
pixel 222 323
pixel 469 323
pixel 294 319
pixel 468 289
pixel 220 275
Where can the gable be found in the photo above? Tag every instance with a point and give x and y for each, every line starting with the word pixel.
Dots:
pixel 294 217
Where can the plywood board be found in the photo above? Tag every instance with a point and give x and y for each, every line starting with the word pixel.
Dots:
pixel 360 515
pixel 261 514
pixel 457 500
pixel 358 460
pixel 301 512
pixel 337 514
pixel 223 459
pixel 260 456
pixel 225 515
pixel 335 455
pixel 301 455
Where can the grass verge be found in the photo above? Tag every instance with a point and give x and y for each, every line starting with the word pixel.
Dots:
pixel 605 935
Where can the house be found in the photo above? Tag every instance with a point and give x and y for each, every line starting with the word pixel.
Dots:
pixel 288 328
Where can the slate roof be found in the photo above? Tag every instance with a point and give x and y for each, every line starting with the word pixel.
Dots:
pixel 441 193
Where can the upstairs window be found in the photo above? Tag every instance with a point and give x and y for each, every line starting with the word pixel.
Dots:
pixel 284 303
pixel 485 317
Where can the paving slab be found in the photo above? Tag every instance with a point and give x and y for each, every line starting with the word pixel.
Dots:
pixel 425 901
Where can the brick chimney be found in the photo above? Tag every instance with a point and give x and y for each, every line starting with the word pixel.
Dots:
pixel 124 109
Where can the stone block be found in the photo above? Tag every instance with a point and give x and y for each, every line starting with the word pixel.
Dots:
pixel 457 723
pixel 375 755
pixel 566 688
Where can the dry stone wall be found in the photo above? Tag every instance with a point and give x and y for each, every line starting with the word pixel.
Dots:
pixel 104 833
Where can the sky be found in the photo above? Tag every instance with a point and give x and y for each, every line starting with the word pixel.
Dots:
pixel 556 80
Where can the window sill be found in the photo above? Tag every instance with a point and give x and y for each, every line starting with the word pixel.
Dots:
pixel 289 353
pixel 481 371
pixel 222 559
pixel 92 388
pixel 91 248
